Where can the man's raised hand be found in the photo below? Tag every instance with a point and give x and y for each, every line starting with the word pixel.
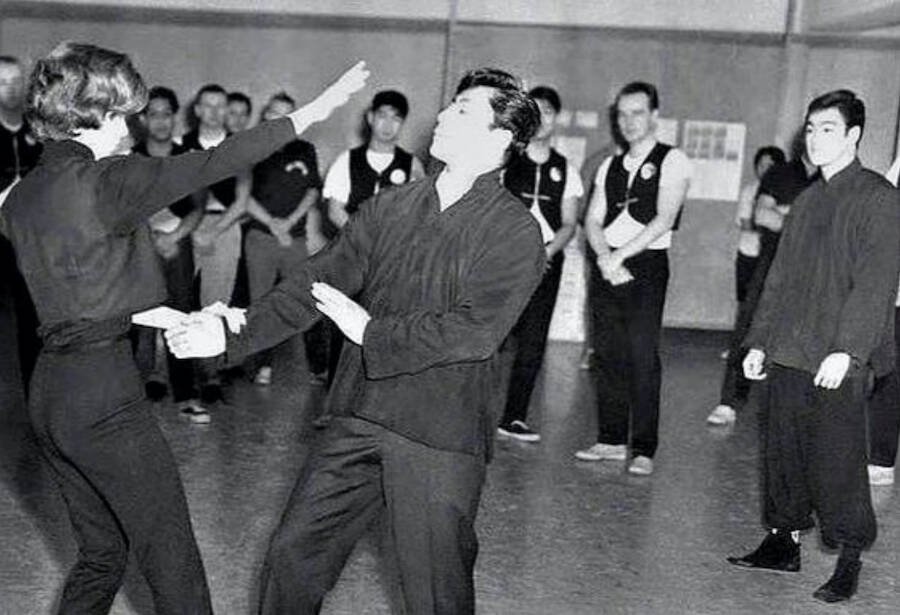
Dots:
pixel 331 98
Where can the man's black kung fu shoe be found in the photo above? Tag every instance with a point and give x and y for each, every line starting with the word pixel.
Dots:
pixel 842 583
pixel 777 552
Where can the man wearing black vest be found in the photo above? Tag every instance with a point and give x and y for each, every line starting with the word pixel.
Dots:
pixel 550 187
pixel 630 220
pixel 379 163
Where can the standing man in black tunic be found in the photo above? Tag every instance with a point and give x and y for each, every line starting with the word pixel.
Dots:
pixel 78 224
pixel 442 269
pixel 824 323
pixel 635 207
pixel 550 187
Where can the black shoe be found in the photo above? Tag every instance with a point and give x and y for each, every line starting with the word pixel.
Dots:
pixel 210 394
pixel 842 583
pixel 777 552
pixel 155 390
pixel 519 430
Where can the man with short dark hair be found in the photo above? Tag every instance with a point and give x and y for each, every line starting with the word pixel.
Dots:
pixel 237 117
pixel 217 239
pixel 171 228
pixel 632 214
pixel 357 174
pixel 549 186
pixel 442 269
pixel 823 325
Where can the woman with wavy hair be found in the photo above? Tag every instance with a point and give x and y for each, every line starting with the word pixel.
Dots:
pixel 78 225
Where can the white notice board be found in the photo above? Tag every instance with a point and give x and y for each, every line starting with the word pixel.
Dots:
pixel 716 150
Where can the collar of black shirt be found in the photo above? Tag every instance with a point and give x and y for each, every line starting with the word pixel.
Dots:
pixel 842 176
pixel 60 150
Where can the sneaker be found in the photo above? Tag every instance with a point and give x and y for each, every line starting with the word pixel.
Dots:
pixel 600 452
pixel 587 359
pixel 842 583
pixel 777 552
pixel 519 430
pixel 722 415
pixel 196 413
pixel 641 465
pixel 263 376
pixel 880 476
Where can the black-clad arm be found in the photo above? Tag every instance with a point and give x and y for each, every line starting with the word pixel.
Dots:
pixel 766 310
pixel 289 307
pixel 874 285
pixel 494 293
pixel 133 188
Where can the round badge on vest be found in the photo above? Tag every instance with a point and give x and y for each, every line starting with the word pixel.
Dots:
pixel 296 165
pixel 648 170
pixel 555 174
pixel 397 177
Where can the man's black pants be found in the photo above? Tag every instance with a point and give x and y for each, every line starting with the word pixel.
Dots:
pixel 628 374
pixel 528 341
pixel 884 411
pixel 179 275
pixel 118 478
pixel 815 456
pixel 355 472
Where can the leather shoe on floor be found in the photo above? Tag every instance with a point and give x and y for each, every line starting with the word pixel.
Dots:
pixel 777 552
pixel 842 583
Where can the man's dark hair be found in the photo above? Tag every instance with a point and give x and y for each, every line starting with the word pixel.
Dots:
pixel 210 88
pixel 77 85
pixel 241 98
pixel 161 91
pixel 10 61
pixel 847 104
pixel 770 151
pixel 281 96
pixel 543 92
pixel 640 87
pixel 514 109
pixel 391 98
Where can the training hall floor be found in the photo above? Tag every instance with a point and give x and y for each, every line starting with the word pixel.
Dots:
pixel 558 536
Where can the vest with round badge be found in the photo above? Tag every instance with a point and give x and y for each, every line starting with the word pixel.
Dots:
pixel 365 181
pixel 519 178
pixel 640 197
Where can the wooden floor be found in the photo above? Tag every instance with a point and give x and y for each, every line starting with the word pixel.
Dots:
pixel 558 536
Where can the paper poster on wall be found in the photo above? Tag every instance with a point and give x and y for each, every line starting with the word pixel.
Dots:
pixel 716 150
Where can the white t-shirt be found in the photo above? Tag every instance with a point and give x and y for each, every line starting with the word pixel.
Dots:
pixel 337 181
pixel 676 168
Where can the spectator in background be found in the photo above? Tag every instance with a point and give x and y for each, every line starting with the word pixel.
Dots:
pixel 736 387
pixel 379 163
pixel 634 210
pixel 217 240
pixel 286 185
pixel 778 189
pixel 549 186
pixel 19 152
pixel 237 117
pixel 171 228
